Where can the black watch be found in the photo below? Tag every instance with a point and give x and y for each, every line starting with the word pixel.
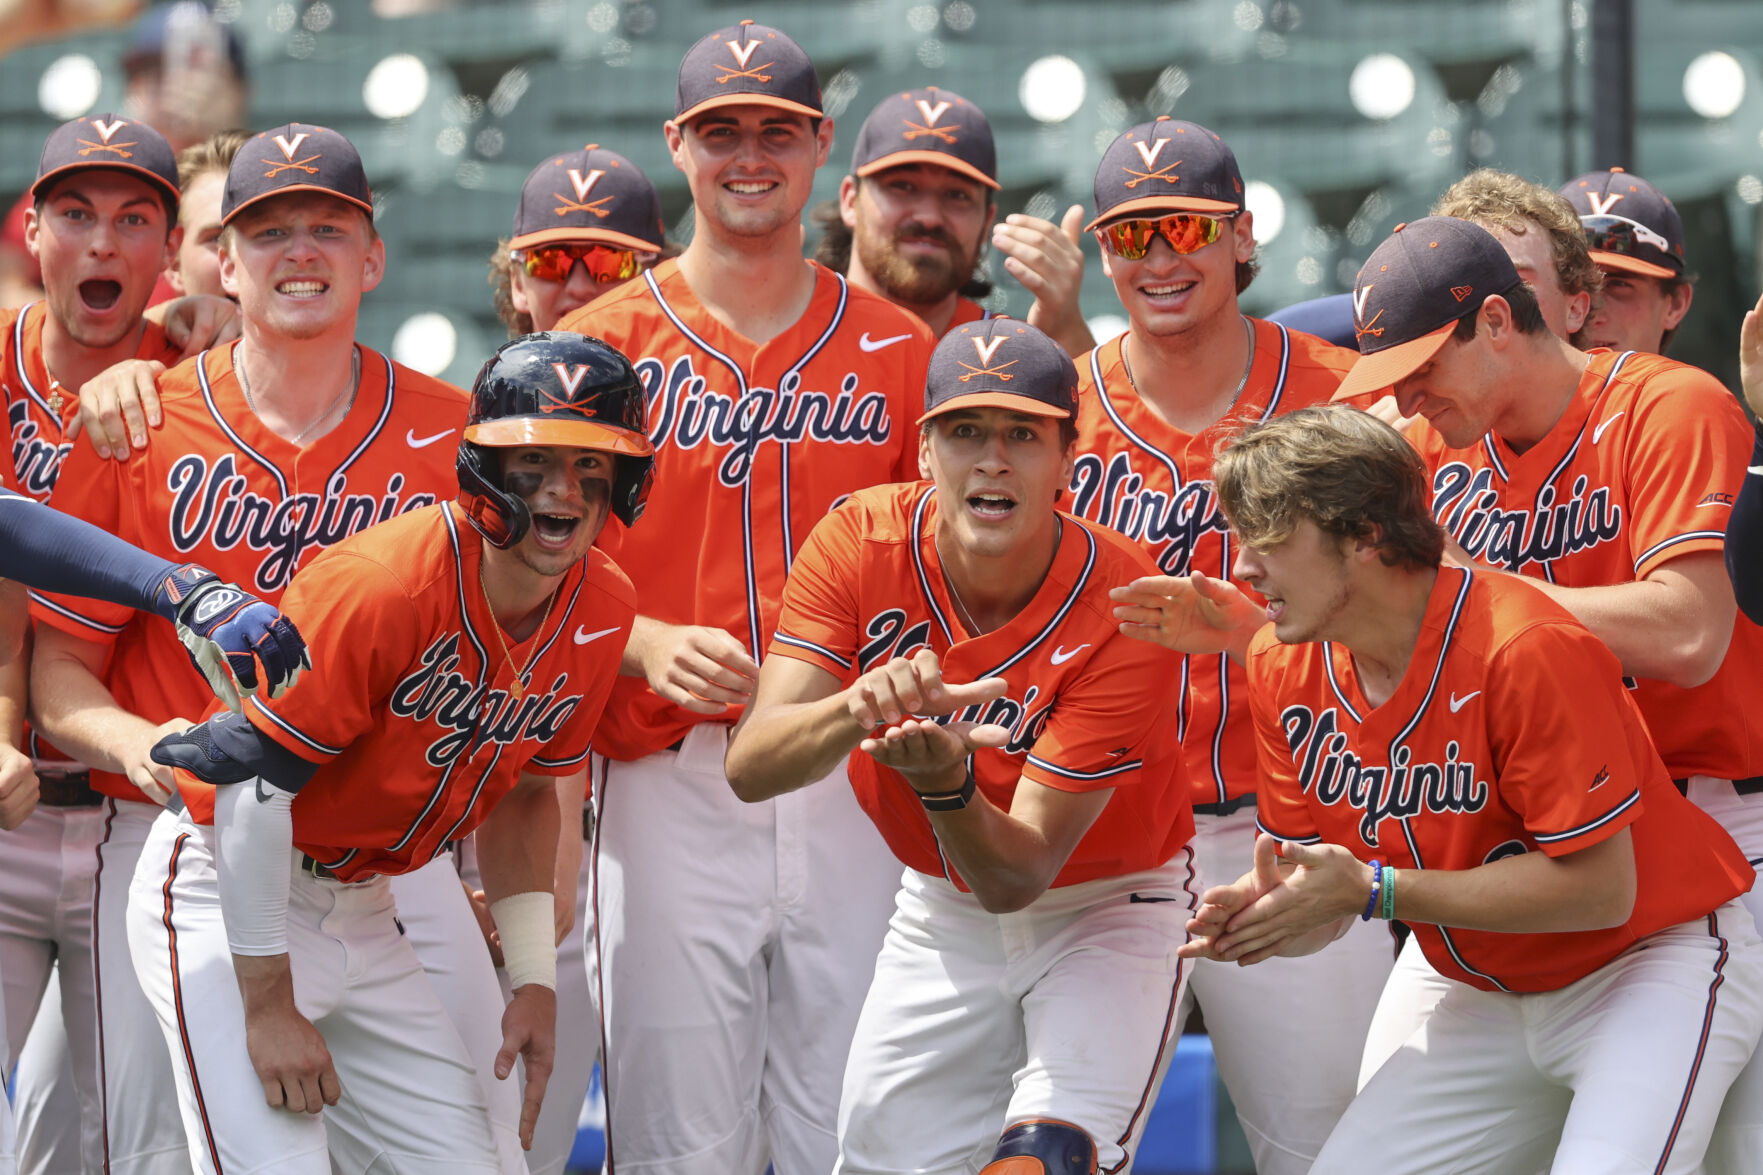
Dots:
pixel 951 801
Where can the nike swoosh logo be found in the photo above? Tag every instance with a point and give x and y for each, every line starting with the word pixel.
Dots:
pixel 1598 433
pixel 583 636
pixel 1060 656
pixel 417 442
pixel 262 795
pixel 1457 703
pixel 869 344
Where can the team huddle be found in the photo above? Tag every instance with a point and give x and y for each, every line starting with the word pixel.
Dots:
pixel 865 726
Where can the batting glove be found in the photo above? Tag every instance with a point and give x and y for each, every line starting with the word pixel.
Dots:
pixel 229 631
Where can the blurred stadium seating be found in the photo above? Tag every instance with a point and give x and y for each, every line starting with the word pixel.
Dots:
pixel 1353 113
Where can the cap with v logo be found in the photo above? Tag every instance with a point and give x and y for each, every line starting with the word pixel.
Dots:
pixel 295 158
pixel 1166 165
pixel 589 195
pixel 927 126
pixel 108 141
pixel 748 64
pixel 1000 363
pixel 1411 292
pixel 1618 208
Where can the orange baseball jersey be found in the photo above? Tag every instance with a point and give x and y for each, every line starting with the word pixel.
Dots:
pixel 1510 732
pixel 1145 478
pixel 1642 468
pixel 216 487
pixel 1085 706
pixel 753 445
pixel 410 709
pixel 38 414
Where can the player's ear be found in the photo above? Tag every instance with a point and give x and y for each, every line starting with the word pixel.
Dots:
pixel 823 142
pixel 848 201
pixel 1494 319
pixel 174 240
pixel 229 281
pixel 924 469
pixel 1677 304
pixel 676 142
pixel 1579 308
pixel 373 266
pixel 1243 227
pixel 32 223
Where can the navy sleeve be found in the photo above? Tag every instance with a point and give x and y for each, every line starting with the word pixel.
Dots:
pixel 1328 318
pixel 55 552
pixel 1744 536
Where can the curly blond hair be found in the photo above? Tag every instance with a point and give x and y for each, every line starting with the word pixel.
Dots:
pixel 1499 199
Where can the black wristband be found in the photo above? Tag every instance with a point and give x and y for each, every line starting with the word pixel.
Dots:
pixel 951 801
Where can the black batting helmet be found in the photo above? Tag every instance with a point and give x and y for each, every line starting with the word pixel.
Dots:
pixel 552 388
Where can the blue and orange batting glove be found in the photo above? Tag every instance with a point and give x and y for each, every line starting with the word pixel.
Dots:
pixel 229 632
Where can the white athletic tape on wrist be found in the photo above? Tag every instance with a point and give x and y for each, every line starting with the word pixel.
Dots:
pixel 527 925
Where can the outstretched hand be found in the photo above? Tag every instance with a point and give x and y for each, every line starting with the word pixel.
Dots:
pixel 904 686
pixel 1751 358
pixel 1188 614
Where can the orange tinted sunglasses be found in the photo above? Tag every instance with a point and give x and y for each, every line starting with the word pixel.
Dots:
pixel 1186 232
pixel 604 262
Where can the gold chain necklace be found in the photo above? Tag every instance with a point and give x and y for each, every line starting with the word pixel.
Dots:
pixel 518 689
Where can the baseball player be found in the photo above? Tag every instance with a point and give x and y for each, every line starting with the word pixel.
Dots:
pixel 1014 756
pixel 466 654
pixel 733 944
pixel 1179 247
pixel 913 217
pixel 588 221
pixel 1636 239
pixel 1608 478
pixel 202 172
pixel 1418 762
pixel 1541 232
pixel 270 450
pixel 102 222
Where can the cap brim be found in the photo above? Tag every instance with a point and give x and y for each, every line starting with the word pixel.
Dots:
pixel 992 398
pixel 598 236
pixel 935 159
pixel 580 434
pixel 1623 263
pixel 151 176
pixel 722 100
pixel 290 189
pixel 1381 369
pixel 1161 204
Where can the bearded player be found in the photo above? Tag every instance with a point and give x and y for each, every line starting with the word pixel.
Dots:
pixel 913 218
pixel 956 642
pixel 1420 761
pixel 734 943
pixel 1179 246
pixel 468 652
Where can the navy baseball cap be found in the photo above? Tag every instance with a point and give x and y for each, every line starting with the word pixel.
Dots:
pixel 108 141
pixel 589 195
pixel 747 65
pixel 1629 224
pixel 296 158
pixel 1411 292
pixel 1166 165
pixel 186 17
pixel 927 126
pixel 1000 363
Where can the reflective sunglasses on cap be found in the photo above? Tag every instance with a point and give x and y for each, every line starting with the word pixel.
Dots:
pixel 1618 234
pixel 1186 232
pixel 604 263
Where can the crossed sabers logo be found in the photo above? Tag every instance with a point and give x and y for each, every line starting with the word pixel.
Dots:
pixel 583 184
pixel 743 54
pixel 289 148
pixel 570 377
pixel 105 130
pixel 1361 328
pixel 929 127
pixel 987 348
pixel 1149 153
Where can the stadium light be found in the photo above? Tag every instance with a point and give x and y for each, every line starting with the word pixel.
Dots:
pixel 1382 86
pixel 1052 89
pixel 396 86
pixel 1268 208
pixel 70 86
pixel 1714 85
pixel 427 342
